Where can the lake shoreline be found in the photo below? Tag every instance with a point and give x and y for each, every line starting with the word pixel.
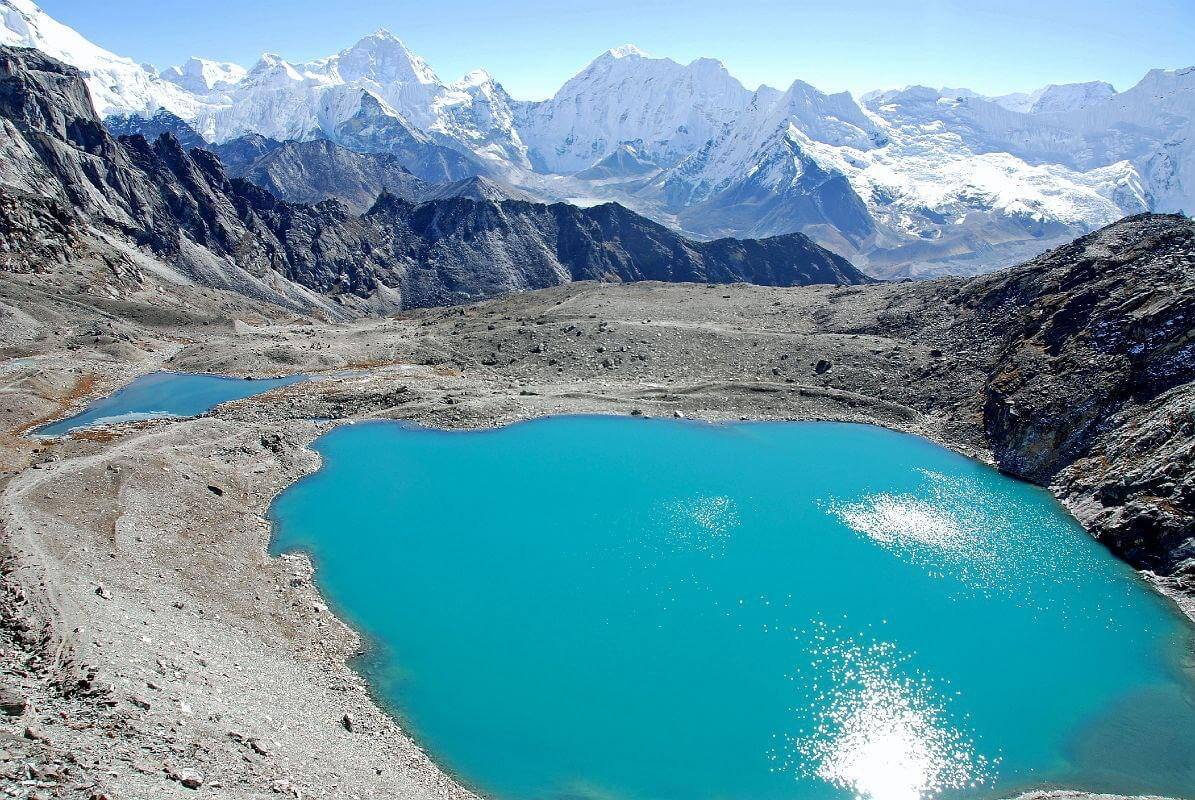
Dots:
pixel 114 537
pixel 777 465
pixel 328 644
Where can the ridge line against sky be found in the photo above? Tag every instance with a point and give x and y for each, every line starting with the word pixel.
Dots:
pixel 532 47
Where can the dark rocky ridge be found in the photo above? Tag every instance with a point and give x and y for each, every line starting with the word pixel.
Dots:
pixel 477 188
pixel 151 128
pixel 239 155
pixel 314 171
pixel 229 233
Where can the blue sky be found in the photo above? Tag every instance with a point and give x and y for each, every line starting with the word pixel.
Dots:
pixel 533 46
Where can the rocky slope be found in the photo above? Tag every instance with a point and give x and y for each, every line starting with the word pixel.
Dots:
pixel 317 170
pixel 1093 389
pixel 182 208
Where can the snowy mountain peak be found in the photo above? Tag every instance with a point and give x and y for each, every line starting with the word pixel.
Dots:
pixel 473 79
pixel 1070 96
pixel 200 76
pixel 624 95
pixel 626 51
pixel 117 84
pixel 382 57
pixel 834 119
pixel 707 66
pixel 268 61
pixel 272 67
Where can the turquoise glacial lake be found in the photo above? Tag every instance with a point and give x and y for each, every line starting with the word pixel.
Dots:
pixel 610 608
pixel 165 394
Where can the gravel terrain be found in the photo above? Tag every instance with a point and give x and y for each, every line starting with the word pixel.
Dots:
pixel 150 646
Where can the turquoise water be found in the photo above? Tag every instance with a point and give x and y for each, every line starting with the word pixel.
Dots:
pixel 599 607
pixel 165 394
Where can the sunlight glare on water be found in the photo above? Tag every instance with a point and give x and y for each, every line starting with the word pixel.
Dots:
pixel 880 734
pixel 623 609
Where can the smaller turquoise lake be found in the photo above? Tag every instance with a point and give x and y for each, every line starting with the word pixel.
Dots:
pixel 602 608
pixel 165 394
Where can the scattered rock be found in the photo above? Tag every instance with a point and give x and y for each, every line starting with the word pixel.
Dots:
pixel 284 786
pixel 12 702
pixel 187 776
pixel 272 442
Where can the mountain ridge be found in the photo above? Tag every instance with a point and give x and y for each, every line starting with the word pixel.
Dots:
pixel 183 208
pixel 908 182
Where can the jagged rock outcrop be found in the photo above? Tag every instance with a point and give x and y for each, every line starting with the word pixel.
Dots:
pixel 35 232
pixel 1093 388
pixel 231 233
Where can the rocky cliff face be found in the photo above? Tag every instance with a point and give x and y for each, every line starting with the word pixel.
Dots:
pixel 35 232
pixel 227 232
pixel 1092 389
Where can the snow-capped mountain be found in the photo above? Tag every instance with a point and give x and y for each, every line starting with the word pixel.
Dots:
pixel 364 98
pixel 910 181
pixel 1148 126
pixel 664 109
pixel 200 76
pixel 1054 97
pixel 478 114
pixel 883 192
pixel 118 85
